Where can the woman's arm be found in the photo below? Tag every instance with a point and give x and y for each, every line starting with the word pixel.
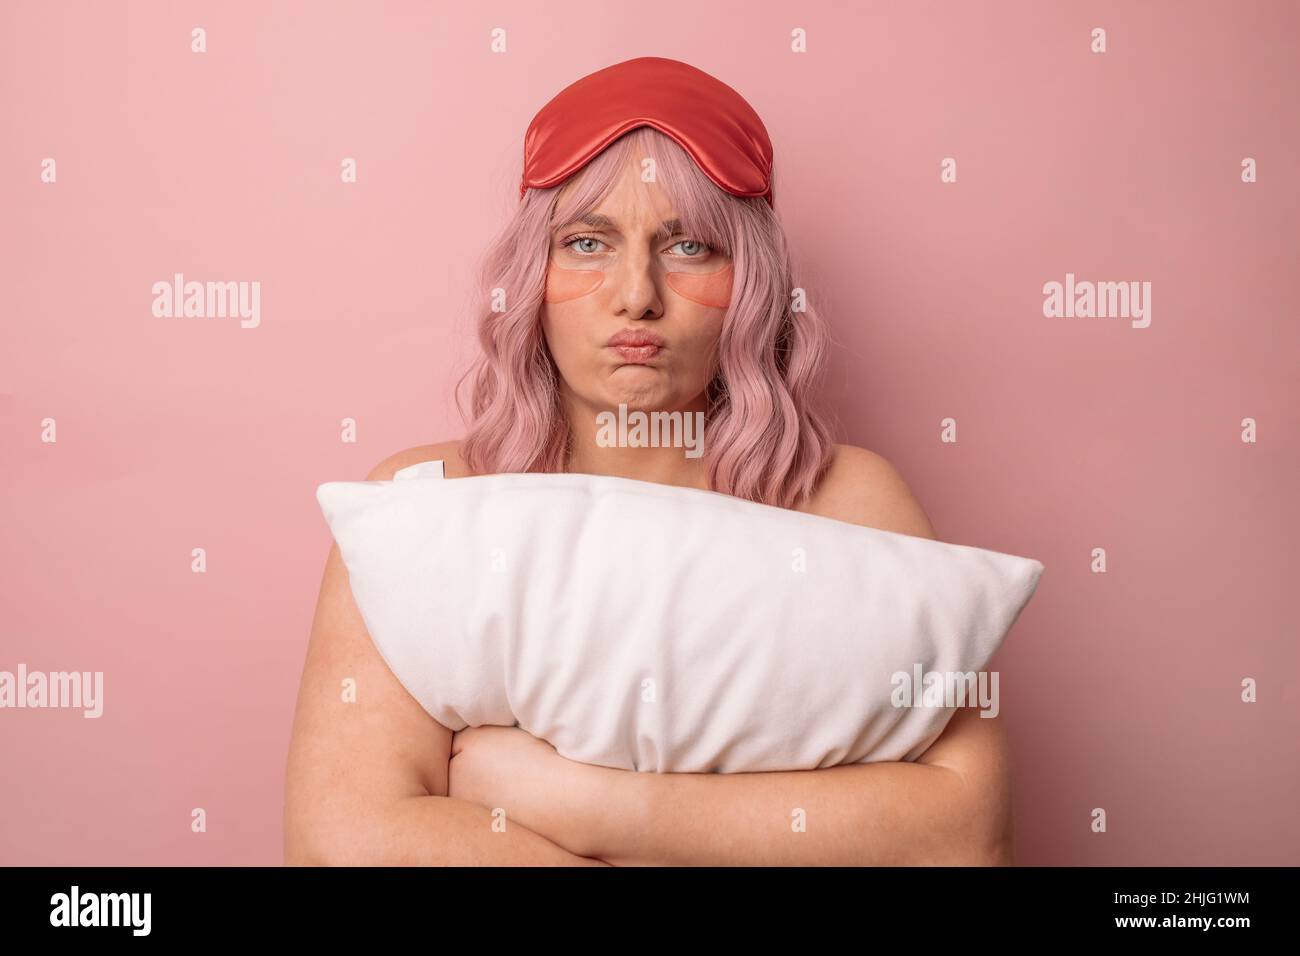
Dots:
pixel 950 807
pixel 366 782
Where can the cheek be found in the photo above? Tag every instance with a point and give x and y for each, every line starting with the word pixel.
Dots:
pixel 565 284
pixel 565 339
pixel 712 290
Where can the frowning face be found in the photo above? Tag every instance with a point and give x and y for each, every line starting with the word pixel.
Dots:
pixel 634 306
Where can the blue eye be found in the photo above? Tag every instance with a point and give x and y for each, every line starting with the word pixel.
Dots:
pixel 573 241
pixel 693 249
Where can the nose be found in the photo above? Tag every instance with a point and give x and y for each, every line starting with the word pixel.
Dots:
pixel 637 286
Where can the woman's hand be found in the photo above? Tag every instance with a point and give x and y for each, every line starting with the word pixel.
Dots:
pixel 504 767
pixel 576 805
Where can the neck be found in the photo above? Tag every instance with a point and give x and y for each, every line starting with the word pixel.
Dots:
pixel 665 465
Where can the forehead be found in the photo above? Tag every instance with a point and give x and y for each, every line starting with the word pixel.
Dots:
pixel 636 224
pixel 631 206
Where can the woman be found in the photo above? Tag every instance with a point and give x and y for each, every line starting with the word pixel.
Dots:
pixel 645 268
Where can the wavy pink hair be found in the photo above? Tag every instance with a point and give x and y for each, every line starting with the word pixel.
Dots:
pixel 766 438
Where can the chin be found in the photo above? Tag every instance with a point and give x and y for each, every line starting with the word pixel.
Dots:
pixel 637 399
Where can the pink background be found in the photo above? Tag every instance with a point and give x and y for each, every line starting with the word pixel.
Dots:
pixel 1121 690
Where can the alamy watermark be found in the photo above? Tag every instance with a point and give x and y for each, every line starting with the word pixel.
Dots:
pixel 639 429
pixel 208 300
pixel 76 908
pixel 72 689
pixel 923 688
pixel 1102 300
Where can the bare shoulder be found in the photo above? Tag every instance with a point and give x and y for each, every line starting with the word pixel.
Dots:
pixel 448 451
pixel 865 488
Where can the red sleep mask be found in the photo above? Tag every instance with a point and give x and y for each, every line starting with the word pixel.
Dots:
pixel 709 119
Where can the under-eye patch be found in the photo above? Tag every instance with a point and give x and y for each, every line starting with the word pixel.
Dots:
pixel 713 289
pixel 565 284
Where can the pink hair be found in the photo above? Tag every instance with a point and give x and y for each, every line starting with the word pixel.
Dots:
pixel 766 438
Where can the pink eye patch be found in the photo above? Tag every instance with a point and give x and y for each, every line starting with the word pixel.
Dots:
pixel 565 284
pixel 713 290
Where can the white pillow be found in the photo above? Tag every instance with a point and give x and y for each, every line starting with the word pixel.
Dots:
pixel 649 627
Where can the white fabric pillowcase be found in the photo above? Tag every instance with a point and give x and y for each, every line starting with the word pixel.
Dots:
pixel 650 627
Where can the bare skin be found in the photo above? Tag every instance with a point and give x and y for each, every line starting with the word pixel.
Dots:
pixel 379 781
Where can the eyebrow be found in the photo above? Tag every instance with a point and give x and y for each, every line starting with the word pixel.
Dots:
pixel 669 227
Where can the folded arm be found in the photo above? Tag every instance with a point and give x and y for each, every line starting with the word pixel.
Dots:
pixel 951 807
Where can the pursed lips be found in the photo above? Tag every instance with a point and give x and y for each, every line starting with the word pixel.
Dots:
pixel 636 346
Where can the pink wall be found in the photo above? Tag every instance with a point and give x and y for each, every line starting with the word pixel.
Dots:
pixel 1122 690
